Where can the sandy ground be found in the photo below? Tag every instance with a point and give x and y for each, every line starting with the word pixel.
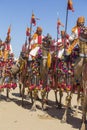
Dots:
pixel 15 117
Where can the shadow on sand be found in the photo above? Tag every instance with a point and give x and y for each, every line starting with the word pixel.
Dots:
pixel 51 110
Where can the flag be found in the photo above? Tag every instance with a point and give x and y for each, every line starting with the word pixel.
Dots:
pixel 27 31
pixel 8 38
pixel 70 5
pixel 58 25
pixel 37 18
pixel 33 20
pixel 9 30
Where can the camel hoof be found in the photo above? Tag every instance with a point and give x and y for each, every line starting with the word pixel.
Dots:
pixel 37 98
pixel 56 105
pixel 8 100
pixel 44 108
pixel 59 106
pixel 27 97
pixel 83 127
pixel 63 121
pixel 20 95
pixel 75 114
pixel 33 109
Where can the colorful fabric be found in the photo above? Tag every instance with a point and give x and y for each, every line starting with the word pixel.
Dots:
pixel 49 60
pixel 69 50
pixel 39 39
pixel 70 5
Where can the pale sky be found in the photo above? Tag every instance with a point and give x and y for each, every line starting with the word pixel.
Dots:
pixel 18 14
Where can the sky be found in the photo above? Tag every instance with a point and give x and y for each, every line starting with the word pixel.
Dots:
pixel 17 13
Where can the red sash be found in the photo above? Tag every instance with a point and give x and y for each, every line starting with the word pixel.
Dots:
pixel 39 39
pixel 7 47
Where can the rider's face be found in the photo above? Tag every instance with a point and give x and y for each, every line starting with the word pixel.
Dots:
pixel 81 24
pixel 39 32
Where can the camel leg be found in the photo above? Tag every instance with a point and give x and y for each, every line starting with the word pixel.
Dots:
pixel 56 98
pixel 35 94
pixel 7 93
pixel 31 97
pixel 47 97
pixel 84 106
pixel 60 98
pixel 68 104
pixel 43 95
pixel 64 118
pixel 34 105
pixel 20 89
pixel 0 95
pixel 78 102
pixel 23 90
pixel 76 112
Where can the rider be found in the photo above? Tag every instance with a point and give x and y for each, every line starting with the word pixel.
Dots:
pixel 75 35
pixel 63 44
pixel 36 41
pixel 7 47
pixel 76 30
pixel 73 38
pixel 37 37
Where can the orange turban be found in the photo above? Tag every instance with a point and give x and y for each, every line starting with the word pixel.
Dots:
pixel 39 29
pixel 81 19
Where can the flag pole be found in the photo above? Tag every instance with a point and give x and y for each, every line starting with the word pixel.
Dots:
pixel 30 29
pixel 57 31
pixel 26 34
pixel 56 48
pixel 69 7
pixel 57 26
pixel 66 22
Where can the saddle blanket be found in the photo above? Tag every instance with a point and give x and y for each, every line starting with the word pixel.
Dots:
pixel 60 53
pixel 34 51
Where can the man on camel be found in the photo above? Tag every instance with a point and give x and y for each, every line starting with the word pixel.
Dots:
pixel 36 42
pixel 63 44
pixel 74 39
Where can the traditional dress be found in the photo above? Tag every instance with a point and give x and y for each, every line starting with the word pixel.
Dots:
pixel 74 38
pixel 35 45
pixel 63 45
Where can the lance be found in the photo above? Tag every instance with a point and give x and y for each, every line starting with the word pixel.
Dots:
pixel 58 25
pixel 69 7
pixel 66 22
pixel 30 29
pixel 56 51
pixel 33 21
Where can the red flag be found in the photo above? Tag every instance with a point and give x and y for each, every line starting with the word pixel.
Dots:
pixel 70 5
pixel 27 31
pixel 33 20
pixel 9 30
pixel 37 18
pixel 58 25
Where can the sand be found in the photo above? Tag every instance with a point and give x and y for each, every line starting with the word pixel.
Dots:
pixel 15 117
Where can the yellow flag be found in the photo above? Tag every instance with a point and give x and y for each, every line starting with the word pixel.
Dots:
pixel 49 60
